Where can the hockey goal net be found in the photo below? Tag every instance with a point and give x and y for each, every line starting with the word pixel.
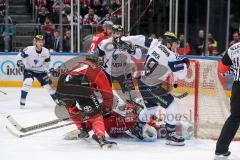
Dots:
pixel 207 105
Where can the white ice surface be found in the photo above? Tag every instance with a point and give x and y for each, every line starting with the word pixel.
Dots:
pixel 50 145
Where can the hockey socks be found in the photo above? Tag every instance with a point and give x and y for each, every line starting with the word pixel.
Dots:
pixel 23 99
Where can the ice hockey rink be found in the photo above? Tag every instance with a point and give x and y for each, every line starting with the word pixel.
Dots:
pixel 51 145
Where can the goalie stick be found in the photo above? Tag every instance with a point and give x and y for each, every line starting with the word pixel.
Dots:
pixel 21 135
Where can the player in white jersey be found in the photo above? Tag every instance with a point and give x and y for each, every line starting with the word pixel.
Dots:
pixel 159 64
pixel 34 62
pixel 117 61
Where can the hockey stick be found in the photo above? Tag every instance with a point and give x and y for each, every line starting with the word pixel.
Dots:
pixel 180 96
pixel 35 127
pixel 36 132
pixel 3 92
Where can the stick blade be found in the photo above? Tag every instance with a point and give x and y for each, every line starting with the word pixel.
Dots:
pixel 16 124
pixel 13 133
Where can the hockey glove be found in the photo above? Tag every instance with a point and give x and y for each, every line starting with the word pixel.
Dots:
pixel 186 61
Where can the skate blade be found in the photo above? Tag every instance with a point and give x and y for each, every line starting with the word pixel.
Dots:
pixel 171 143
pixel 23 107
pixel 70 138
pixel 217 157
pixel 110 147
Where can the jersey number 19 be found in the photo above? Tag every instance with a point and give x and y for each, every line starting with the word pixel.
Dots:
pixel 150 65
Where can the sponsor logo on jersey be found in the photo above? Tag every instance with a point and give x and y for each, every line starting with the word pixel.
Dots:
pixel 35 61
pixel 87 108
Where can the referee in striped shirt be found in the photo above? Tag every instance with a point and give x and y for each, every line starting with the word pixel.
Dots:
pixel 231 59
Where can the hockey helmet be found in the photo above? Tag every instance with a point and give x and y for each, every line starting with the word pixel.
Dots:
pixel 108 24
pixel 39 37
pixel 117 28
pixel 169 37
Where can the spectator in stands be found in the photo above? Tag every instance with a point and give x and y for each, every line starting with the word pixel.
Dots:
pixel 56 41
pixel 42 16
pixel 56 13
pixel 90 18
pixel 8 33
pixel 99 9
pixel 67 41
pixel 84 7
pixel 49 5
pixel 115 4
pixel 38 4
pixel 1 22
pixel 65 22
pixel 212 45
pixel 47 29
pixel 2 6
pixel 91 14
pixel 1 43
pixel 75 17
pixel 180 49
pixel 112 16
pixel 200 43
pixel 236 38
pixel 67 11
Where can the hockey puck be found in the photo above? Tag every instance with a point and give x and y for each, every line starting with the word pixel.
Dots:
pixel 175 85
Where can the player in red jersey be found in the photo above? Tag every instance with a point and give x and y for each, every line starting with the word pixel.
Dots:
pixel 107 32
pixel 76 89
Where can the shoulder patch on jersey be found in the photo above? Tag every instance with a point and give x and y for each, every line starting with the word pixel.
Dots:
pixel 164 49
pixel 23 54
pixel 148 42
pixel 25 49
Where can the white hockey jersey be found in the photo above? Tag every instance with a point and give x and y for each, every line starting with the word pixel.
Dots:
pixel 116 62
pixel 34 61
pixel 160 61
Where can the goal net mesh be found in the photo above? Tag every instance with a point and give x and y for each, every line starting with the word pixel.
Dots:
pixel 207 105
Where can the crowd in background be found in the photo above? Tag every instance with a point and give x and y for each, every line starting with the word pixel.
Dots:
pixel 5 32
pixel 198 46
pixel 92 13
